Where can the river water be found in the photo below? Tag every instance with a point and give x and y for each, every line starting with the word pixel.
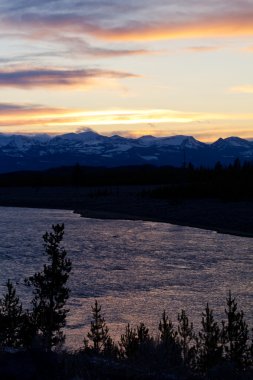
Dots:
pixel 135 269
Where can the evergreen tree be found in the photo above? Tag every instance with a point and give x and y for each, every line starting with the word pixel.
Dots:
pixel 143 333
pixel 50 291
pixel 168 340
pixel 11 318
pixel 166 328
pixel 129 342
pixel 209 349
pixel 134 340
pixel 99 332
pixel 235 334
pixel 110 348
pixel 251 350
pixel 28 329
pixel 185 337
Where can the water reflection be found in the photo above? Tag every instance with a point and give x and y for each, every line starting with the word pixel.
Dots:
pixel 134 268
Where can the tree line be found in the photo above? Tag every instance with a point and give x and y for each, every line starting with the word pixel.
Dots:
pixel 235 180
pixel 177 345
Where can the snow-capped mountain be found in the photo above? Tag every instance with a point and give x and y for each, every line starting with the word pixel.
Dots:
pixel 36 152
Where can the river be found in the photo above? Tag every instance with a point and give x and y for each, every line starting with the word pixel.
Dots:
pixel 135 269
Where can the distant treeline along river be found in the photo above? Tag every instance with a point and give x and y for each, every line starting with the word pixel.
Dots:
pixel 135 269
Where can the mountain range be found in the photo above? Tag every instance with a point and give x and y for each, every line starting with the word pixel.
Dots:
pixel 38 152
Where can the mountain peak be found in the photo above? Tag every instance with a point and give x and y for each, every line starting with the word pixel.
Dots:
pixel 35 152
pixel 236 140
pixel 89 134
pixel 86 136
pixel 232 141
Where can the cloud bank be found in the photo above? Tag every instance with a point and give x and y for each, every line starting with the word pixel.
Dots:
pixel 132 21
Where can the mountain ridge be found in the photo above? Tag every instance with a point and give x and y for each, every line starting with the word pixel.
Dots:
pixel 39 152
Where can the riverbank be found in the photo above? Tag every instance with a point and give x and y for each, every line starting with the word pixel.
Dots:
pixel 129 202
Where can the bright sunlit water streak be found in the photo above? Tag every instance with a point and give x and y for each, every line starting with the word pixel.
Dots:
pixel 134 268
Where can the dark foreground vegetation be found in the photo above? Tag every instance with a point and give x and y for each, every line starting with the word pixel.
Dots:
pixel 32 340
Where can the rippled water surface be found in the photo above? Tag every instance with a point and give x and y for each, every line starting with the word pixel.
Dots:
pixel 134 268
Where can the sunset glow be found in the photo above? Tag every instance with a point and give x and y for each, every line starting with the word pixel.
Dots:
pixel 184 67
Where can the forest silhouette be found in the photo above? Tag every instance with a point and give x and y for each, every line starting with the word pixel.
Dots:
pixel 232 182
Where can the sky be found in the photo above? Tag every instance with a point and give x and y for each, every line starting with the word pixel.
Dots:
pixel 136 67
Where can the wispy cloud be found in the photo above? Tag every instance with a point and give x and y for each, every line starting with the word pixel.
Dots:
pixel 248 49
pixel 77 46
pixel 196 25
pixel 57 78
pixel 202 49
pixel 242 89
pixel 12 114
pixel 47 115
pixel 26 118
pixel 201 27
pixel 135 21
pixel 8 108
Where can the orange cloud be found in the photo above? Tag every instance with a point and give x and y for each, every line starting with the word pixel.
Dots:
pixel 213 25
pixel 243 89
pixel 240 24
pixel 210 24
pixel 53 120
pixel 202 49
pixel 248 49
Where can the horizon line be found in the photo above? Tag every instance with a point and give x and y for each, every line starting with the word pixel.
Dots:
pixel 123 135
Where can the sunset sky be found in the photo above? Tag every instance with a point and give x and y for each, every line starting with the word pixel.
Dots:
pixel 127 67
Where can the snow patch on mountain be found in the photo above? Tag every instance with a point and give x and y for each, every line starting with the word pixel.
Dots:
pixel 229 142
pixel 149 158
pixel 90 148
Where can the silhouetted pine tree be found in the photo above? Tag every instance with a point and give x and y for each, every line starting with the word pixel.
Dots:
pixel 99 333
pixel 129 342
pixel 209 348
pixel 168 341
pixel 235 334
pixel 50 291
pixel 251 349
pixel 166 328
pixel 142 333
pixel 135 341
pixel 28 329
pixel 185 337
pixel 11 318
